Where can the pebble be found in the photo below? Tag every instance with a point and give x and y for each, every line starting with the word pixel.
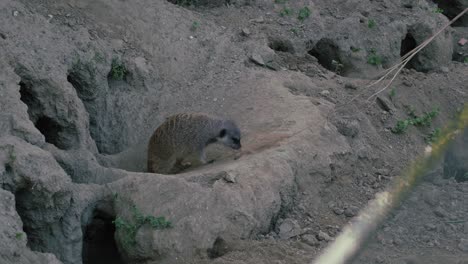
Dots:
pixel 310 240
pixel 229 177
pixel 430 226
pixel 258 20
pixel 289 228
pixel 384 104
pixel 338 211
pixel 322 236
pixel 440 212
pixel 351 211
pixel 15 13
pixel 245 32
pixel 274 66
pixel 462 41
pixel 444 69
pixel 351 86
pixel 256 58
pixel 325 93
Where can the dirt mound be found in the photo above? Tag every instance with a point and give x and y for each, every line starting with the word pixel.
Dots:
pixel 83 85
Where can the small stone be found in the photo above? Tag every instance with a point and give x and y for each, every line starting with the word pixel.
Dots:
pixel 463 245
pixel 273 65
pixel 256 58
pixel 228 177
pixel 384 104
pixel 258 20
pixel 215 99
pixel 15 13
pixel 322 236
pixel 310 240
pixel 338 211
pixel 349 85
pixel 440 212
pixel 325 93
pixel 245 32
pixel 351 211
pixel 444 69
pixel 407 83
pixel 289 228
pixel 462 41
pixel 430 226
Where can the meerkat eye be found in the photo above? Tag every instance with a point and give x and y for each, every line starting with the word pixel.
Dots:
pixel 222 133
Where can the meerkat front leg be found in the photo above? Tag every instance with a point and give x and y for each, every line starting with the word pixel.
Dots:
pixel 195 159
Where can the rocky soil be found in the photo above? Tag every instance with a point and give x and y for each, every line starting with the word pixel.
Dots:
pixel 83 84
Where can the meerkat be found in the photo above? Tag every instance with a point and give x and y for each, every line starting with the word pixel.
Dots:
pixel 185 136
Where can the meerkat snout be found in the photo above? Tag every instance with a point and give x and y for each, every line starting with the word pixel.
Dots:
pixel 230 135
pixel 182 138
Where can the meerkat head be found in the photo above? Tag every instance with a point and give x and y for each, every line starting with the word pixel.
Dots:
pixel 230 135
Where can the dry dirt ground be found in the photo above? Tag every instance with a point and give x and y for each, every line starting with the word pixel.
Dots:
pixel 84 83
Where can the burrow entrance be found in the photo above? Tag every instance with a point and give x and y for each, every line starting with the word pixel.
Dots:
pixel 408 44
pixel 99 246
pixel 328 55
pixel 63 136
pixel 451 9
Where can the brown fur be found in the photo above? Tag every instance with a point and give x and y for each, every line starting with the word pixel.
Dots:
pixel 180 140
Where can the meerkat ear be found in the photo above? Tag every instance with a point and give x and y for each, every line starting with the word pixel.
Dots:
pixel 222 133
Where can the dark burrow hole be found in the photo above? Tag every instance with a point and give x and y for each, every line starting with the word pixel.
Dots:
pixel 219 248
pixel 99 246
pixel 204 3
pixel 327 54
pixel 408 44
pixel 281 45
pixel 451 9
pixel 53 132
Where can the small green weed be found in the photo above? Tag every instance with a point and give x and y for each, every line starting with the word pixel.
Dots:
pixel 303 13
pixel 129 229
pixel 19 235
pixel 295 31
pixel 465 60
pixel 371 23
pixel 433 136
pixel 354 49
pixel 286 11
pixel 425 120
pixel 118 70
pixel 438 10
pixel 401 126
pixel 195 26
pixel 338 66
pixel 392 93
pixel 373 58
pixel 98 56
pixel 465 177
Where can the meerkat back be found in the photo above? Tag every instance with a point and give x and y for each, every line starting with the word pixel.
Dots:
pixel 179 136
